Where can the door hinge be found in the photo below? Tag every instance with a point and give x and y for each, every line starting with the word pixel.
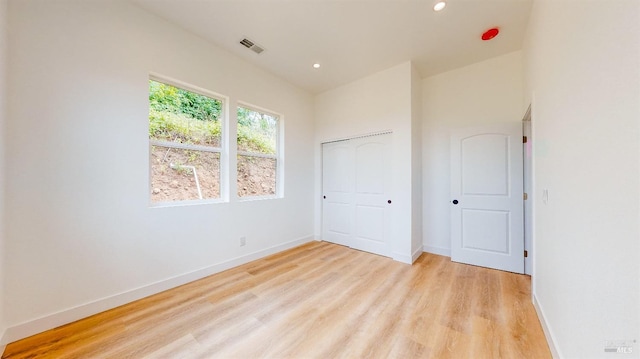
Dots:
pixel 525 196
pixel 526 254
pixel 524 139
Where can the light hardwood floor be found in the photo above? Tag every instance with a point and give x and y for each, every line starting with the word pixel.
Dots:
pixel 318 300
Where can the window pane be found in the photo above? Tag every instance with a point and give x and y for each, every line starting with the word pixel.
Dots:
pixel 257 132
pixel 174 172
pixel 256 176
pixel 178 115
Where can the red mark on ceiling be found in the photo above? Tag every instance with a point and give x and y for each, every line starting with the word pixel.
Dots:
pixel 490 34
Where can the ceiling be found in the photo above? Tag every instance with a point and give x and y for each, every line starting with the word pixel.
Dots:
pixel 351 38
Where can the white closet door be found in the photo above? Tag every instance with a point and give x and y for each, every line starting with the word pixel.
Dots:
pixel 356 186
pixel 337 186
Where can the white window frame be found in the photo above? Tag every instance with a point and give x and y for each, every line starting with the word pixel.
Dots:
pixel 278 156
pixel 222 150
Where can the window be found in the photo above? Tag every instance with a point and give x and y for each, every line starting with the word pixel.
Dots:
pixel 185 136
pixel 258 159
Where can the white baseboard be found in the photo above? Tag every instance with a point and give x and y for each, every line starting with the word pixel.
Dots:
pixel 416 254
pixel 401 257
pixel 3 343
pixel 441 251
pixel 545 328
pixel 66 316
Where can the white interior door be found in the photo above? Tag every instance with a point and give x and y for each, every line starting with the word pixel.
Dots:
pixel 487 203
pixel 528 188
pixel 356 203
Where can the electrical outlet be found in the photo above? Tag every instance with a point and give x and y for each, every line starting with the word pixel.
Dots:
pixel 243 241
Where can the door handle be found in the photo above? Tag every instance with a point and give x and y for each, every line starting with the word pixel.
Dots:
pixel 389 201
pixel 455 201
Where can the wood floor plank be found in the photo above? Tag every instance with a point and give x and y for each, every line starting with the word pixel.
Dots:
pixel 184 347
pixel 318 300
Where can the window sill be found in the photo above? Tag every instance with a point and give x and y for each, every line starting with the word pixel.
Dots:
pixel 258 198
pixel 194 202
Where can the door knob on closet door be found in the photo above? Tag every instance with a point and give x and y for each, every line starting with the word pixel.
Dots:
pixel 455 201
pixel 389 201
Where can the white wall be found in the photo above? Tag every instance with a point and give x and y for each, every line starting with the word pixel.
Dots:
pixel 486 92
pixel 3 112
pixel 80 233
pixel 582 65
pixel 375 103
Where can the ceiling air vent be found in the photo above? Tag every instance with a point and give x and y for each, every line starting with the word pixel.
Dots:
pixel 251 45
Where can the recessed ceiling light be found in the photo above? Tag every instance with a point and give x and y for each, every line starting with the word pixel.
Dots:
pixel 439 6
pixel 316 66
